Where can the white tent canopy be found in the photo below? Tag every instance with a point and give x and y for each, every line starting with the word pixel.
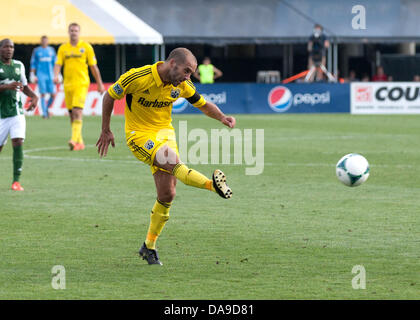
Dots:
pixel 101 21
pixel 118 21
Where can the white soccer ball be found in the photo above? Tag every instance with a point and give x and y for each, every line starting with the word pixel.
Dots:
pixel 352 169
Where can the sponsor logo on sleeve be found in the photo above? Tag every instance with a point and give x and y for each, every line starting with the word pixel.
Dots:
pixel 149 144
pixel 117 89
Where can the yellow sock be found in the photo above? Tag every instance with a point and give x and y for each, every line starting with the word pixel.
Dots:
pixel 73 132
pixel 158 218
pixel 80 138
pixel 76 131
pixel 192 177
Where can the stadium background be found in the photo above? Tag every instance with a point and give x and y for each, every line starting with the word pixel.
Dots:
pixel 128 34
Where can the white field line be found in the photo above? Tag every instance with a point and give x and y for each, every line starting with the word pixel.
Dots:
pixel 290 164
pixel 28 156
pixel 295 164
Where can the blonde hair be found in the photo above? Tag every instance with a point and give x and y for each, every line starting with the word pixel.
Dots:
pixel 74 24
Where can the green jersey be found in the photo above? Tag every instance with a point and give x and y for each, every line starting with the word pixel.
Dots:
pixel 206 73
pixel 11 100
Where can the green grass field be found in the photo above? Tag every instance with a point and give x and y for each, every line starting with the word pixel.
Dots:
pixel 293 232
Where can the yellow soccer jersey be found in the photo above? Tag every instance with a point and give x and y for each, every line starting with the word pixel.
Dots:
pixel 148 101
pixel 76 61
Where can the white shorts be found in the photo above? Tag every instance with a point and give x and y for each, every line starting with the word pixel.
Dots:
pixel 15 126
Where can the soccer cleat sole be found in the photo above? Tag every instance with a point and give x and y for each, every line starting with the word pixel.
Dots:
pixel 144 258
pixel 219 184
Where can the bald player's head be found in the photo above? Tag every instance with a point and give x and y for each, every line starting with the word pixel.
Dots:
pixel 181 64
pixel 181 55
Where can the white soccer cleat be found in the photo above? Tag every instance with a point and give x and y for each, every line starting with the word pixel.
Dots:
pixel 219 184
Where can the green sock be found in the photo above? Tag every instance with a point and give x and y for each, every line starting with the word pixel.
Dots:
pixel 17 162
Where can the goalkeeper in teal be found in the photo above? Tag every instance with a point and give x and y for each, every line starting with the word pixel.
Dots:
pixel 12 118
pixel 42 72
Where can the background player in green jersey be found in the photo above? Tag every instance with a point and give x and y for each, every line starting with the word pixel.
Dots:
pixel 206 72
pixel 12 118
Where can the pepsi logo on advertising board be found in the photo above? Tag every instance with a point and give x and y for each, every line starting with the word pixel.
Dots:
pixel 280 99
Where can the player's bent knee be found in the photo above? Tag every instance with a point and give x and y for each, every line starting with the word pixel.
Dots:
pixel 17 142
pixel 167 195
pixel 77 113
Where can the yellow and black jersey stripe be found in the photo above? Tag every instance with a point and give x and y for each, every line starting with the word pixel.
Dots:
pixel 196 96
pixel 190 83
pixel 135 76
pixel 139 149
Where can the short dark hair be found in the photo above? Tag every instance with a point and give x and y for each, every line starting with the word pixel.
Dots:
pixel 2 42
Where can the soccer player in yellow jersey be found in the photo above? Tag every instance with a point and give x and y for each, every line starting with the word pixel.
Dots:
pixel 76 56
pixel 150 92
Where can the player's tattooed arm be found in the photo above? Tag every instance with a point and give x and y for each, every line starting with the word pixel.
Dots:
pixel 213 111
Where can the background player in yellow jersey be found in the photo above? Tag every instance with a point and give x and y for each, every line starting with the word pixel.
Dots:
pixel 150 92
pixel 76 56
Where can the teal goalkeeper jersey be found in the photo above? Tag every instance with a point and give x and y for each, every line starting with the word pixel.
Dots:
pixel 11 100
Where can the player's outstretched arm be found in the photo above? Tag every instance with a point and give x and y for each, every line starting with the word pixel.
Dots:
pixel 213 111
pixel 106 136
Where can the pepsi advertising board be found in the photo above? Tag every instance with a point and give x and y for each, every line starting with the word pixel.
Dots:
pixel 271 98
pixel 309 98
pixel 246 98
